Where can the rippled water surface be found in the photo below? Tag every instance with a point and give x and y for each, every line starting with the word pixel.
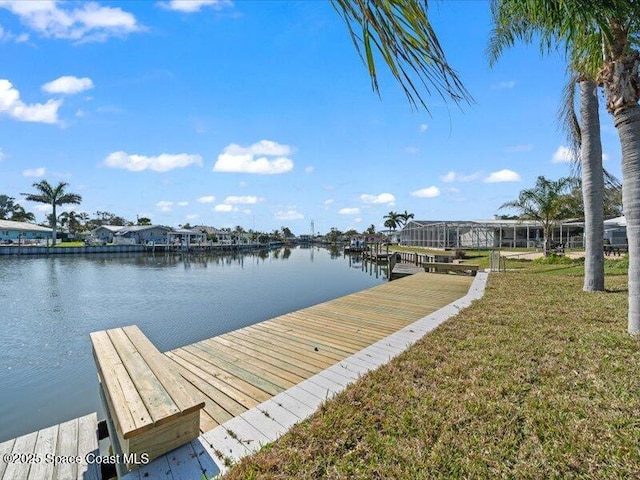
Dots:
pixel 48 306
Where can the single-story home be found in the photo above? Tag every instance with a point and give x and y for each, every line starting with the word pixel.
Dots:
pixel 142 234
pixel 23 232
pixel 105 233
pixel 186 236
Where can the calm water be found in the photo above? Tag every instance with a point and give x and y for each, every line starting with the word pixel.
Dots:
pixel 48 306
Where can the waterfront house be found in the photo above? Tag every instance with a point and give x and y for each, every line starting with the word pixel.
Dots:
pixel 142 235
pixel 105 233
pixel 186 236
pixel 223 237
pixel 495 233
pixel 23 233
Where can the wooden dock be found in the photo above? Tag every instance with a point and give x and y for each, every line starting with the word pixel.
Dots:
pixel 298 358
pixel 70 445
pixel 241 369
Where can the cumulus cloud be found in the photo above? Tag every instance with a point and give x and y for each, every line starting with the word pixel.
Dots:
pixel 11 105
pixel 242 200
pixel 504 175
pixel 206 199
pixel 349 211
pixel 35 172
pixel 225 207
pixel 164 205
pixel 162 163
pixel 6 36
pixel 427 192
pixel 68 85
pixel 562 155
pixel 383 198
pixel 78 21
pixel 264 157
pixel 192 6
pixel 183 204
pixel 290 214
pixel 452 176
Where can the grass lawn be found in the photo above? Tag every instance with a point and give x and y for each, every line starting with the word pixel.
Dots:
pixel 70 244
pixel 536 380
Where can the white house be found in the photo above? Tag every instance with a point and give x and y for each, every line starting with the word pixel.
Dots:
pixel 105 233
pixel 142 234
pixel 23 232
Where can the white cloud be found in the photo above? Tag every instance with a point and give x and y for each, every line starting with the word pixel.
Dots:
pixel 88 22
pixel 308 169
pixel 68 85
pixel 503 85
pixel 290 214
pixel 349 211
pixel 191 6
pixel 206 199
pixel 34 172
pixel 328 201
pixel 222 207
pixel 519 148
pixel 235 158
pixel 183 204
pixel 162 163
pixel 383 198
pixel 562 155
pixel 504 175
pixel 243 200
pixel 427 192
pixel 11 37
pixel 43 208
pixel 424 127
pixel 452 176
pixel 10 104
pixel 164 206
pixel 192 216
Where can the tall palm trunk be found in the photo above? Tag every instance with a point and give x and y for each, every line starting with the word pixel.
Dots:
pixel 592 187
pixel 54 224
pixel 627 122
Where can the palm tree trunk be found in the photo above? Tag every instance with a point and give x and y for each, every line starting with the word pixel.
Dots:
pixel 54 223
pixel 592 187
pixel 627 121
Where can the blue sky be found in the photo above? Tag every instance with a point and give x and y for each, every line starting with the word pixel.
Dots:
pixel 261 114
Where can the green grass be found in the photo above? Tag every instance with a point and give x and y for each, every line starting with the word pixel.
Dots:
pixel 535 380
pixel 70 244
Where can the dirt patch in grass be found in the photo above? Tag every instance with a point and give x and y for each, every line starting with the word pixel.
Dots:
pixel 536 380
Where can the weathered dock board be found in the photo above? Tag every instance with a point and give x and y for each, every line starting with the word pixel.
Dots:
pixel 58 452
pixel 241 369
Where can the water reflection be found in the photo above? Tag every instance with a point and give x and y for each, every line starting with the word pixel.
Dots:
pixel 50 304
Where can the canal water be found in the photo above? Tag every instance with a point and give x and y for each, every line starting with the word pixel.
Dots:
pixel 48 306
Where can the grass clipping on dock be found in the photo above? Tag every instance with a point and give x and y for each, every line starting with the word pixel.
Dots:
pixel 536 380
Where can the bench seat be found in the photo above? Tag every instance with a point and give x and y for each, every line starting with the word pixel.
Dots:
pixel 440 267
pixel 150 406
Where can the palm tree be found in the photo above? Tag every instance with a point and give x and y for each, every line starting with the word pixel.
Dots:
pixel 543 203
pixel 10 210
pixel 405 217
pixel 401 32
pixel 53 196
pixel 602 39
pixel 71 220
pixel 393 220
pixel 513 19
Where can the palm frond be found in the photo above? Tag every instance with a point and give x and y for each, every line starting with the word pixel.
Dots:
pixel 400 32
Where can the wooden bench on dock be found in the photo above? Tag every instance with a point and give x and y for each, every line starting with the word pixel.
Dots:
pixel 439 267
pixel 149 406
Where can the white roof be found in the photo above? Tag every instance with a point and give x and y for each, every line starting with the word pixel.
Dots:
pixel 23 226
pixel 616 222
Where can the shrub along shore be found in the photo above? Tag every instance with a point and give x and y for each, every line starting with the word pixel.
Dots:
pixel 535 380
